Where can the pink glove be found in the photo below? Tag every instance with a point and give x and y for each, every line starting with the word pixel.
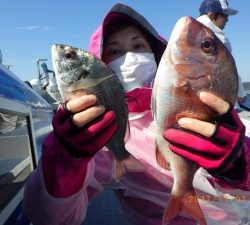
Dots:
pixel 87 140
pixel 217 154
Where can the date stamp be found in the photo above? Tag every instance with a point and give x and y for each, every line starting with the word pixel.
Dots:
pixel 221 198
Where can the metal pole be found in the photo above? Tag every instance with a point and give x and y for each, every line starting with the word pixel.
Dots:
pixel 38 66
pixel 1 57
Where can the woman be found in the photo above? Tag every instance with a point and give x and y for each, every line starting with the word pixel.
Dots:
pixel 62 186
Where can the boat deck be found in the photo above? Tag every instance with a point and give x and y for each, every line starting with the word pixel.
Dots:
pixel 105 210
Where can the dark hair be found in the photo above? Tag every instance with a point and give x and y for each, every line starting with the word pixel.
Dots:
pixel 216 14
pixel 120 24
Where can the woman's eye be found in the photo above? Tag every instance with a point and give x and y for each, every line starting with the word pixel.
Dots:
pixel 139 46
pixel 115 52
pixel 110 54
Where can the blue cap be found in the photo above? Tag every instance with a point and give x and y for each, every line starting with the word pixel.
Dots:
pixel 216 6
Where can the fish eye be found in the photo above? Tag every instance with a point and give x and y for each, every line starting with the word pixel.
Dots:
pixel 207 45
pixel 70 55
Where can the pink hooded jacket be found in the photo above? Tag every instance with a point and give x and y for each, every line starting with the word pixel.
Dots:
pixel 145 188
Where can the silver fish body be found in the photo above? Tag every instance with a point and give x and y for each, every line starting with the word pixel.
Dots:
pixel 78 73
pixel 195 60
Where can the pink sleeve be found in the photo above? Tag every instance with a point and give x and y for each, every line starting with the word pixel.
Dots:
pixel 42 208
pixel 56 192
pixel 59 168
pixel 59 190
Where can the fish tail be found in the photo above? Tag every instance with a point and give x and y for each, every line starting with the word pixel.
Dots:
pixel 133 164
pixel 120 167
pixel 127 133
pixel 178 203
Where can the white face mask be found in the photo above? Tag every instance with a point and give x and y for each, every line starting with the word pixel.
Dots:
pixel 134 69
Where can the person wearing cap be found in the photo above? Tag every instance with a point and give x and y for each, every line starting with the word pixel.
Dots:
pixel 214 14
pixel 60 189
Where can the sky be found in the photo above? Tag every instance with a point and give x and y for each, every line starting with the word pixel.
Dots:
pixel 30 27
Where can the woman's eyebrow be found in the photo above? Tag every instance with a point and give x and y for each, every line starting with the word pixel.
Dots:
pixel 108 43
pixel 138 37
pixel 115 42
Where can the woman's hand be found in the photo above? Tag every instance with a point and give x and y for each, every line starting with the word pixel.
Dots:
pixel 214 147
pixel 83 110
pixel 204 128
pixel 83 127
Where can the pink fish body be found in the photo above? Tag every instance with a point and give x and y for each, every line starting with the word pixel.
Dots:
pixel 195 60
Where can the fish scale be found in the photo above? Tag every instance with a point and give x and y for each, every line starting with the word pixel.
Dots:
pixel 116 143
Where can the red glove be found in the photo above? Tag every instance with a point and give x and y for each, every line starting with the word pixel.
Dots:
pixel 87 140
pixel 217 154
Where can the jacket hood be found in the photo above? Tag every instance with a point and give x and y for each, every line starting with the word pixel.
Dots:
pixel 158 44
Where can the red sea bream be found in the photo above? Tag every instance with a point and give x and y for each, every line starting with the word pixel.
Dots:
pixel 195 60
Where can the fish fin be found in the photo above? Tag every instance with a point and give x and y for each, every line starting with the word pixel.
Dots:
pixel 161 160
pixel 127 134
pixel 178 203
pixel 134 165
pixel 194 210
pixel 120 167
pixel 172 210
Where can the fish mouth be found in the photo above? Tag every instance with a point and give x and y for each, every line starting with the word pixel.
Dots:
pixel 196 84
pixel 194 74
pixel 55 50
pixel 192 71
pixel 190 64
pixel 201 84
